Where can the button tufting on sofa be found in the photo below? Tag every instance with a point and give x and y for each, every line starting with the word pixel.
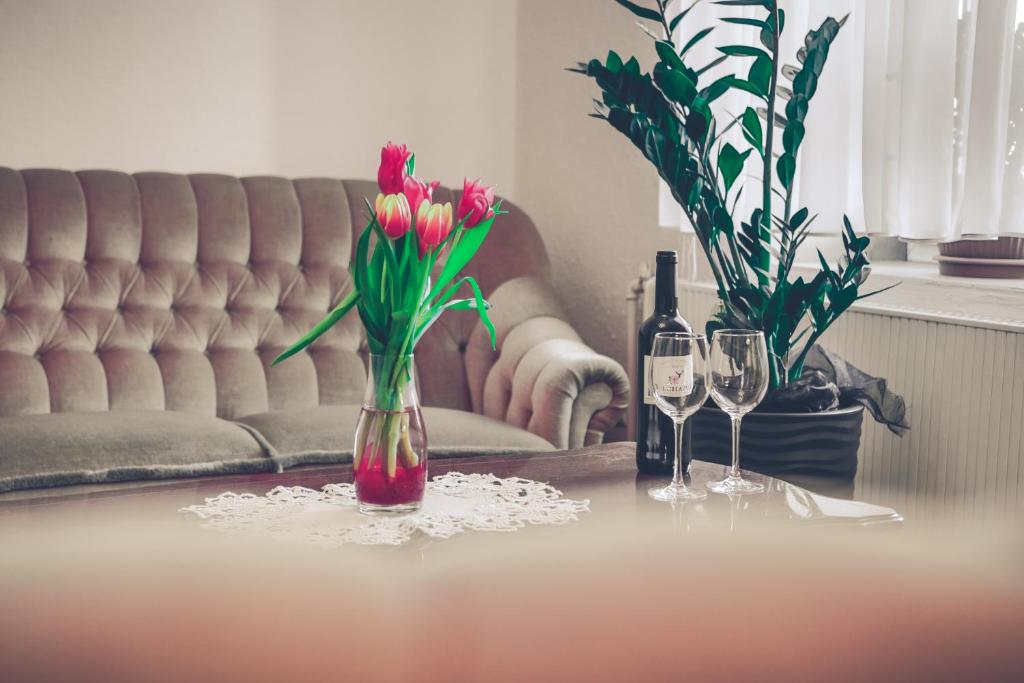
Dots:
pixel 177 263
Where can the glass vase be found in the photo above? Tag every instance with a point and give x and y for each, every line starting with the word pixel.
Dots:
pixel 389 462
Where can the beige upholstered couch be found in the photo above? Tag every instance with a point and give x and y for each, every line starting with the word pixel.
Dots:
pixel 140 314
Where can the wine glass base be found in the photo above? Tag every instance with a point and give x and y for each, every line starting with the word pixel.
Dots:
pixel 673 493
pixel 735 485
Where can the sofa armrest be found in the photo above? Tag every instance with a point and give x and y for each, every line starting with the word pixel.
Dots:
pixel 546 380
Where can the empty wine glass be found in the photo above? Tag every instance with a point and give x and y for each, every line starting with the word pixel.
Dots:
pixel 676 376
pixel 738 377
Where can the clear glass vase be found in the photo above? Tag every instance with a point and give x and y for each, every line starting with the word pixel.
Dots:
pixel 389 463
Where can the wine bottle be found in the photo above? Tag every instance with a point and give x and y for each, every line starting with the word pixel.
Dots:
pixel 654 432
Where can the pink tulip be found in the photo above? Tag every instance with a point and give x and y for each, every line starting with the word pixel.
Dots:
pixel 475 204
pixel 416 191
pixel 392 172
pixel 393 214
pixel 433 223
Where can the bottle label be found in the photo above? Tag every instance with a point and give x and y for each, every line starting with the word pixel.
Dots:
pixel 673 375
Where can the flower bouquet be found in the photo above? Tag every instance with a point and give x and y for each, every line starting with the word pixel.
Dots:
pixel 398 298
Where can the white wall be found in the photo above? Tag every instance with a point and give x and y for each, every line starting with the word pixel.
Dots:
pixel 258 86
pixel 312 87
pixel 593 194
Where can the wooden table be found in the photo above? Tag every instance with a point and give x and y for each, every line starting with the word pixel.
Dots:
pixel 113 584
pixel 605 474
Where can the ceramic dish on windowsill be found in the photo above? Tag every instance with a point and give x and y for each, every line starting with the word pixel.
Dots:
pixel 998 258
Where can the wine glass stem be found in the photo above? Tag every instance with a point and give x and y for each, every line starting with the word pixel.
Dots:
pixel 736 419
pixel 677 468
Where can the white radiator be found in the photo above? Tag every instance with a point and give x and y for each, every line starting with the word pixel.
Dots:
pixel 964 386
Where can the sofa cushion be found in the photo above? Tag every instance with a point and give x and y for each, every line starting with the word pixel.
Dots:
pixel 326 434
pixel 85 448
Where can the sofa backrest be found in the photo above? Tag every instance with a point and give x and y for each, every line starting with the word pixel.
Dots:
pixel 171 292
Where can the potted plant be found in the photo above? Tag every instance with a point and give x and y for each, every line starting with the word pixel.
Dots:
pixel 811 420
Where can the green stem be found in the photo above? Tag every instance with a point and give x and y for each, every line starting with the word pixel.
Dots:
pixel 764 255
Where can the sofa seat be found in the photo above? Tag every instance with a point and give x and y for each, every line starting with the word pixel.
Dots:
pixel 58 449
pixel 326 434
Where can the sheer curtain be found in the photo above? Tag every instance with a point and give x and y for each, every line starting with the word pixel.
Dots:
pixel 917 128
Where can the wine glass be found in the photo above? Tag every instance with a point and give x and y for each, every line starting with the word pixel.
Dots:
pixel 738 375
pixel 676 376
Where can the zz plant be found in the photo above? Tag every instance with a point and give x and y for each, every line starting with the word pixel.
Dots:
pixel 668 115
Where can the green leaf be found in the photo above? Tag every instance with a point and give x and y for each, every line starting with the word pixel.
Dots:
pixel 798 218
pixel 744 51
pixel 744 3
pixel 699 36
pixel 746 86
pixel 744 21
pixel 682 15
pixel 717 89
pixel 761 75
pixel 478 303
pixel 336 314
pixel 642 12
pixel 410 165
pixel 676 86
pixel 461 254
pixel 613 62
pixel 786 167
pixel 752 128
pixel 792 136
pixel 712 64
pixel 730 164
pixel 667 54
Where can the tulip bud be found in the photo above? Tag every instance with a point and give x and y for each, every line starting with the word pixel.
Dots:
pixel 476 202
pixel 393 214
pixel 433 223
pixel 416 191
pixel 392 172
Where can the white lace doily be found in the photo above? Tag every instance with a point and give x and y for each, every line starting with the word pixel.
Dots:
pixel 453 503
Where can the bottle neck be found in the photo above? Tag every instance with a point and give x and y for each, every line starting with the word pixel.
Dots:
pixel 666 300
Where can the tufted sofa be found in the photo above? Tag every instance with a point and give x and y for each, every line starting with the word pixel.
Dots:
pixel 140 314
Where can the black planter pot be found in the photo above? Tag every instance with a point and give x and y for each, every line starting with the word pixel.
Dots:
pixel 785 445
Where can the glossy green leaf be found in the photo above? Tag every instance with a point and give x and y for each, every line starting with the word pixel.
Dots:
pixel 699 36
pixel 717 89
pixel 744 21
pixel 792 136
pixel 642 12
pixel 461 254
pixel 798 218
pixel 679 17
pixel 744 51
pixel 676 86
pixel 730 164
pixel 760 75
pixel 751 124
pixel 746 86
pixel 667 54
pixel 786 168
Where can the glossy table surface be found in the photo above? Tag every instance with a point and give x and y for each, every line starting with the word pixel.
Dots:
pixel 115 584
pixel 604 474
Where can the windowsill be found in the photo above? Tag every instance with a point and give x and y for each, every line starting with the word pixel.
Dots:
pixel 923 293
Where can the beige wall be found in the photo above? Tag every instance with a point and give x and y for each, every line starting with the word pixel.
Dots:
pixel 314 88
pixel 258 86
pixel 590 190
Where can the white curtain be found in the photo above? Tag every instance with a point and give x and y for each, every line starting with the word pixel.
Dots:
pixel 917 127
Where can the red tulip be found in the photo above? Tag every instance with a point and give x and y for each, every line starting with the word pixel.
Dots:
pixel 433 223
pixel 392 172
pixel 416 191
pixel 475 204
pixel 393 214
